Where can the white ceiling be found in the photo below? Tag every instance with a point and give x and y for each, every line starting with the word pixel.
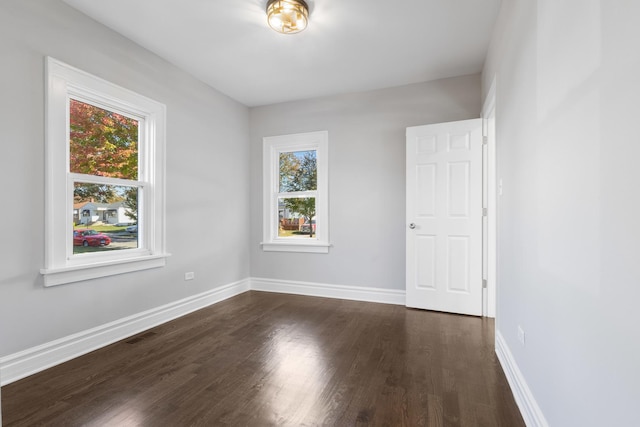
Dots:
pixel 349 45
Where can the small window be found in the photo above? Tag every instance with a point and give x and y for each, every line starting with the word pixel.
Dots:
pixel 105 168
pixel 295 193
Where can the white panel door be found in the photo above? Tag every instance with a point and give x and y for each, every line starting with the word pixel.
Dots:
pixel 444 217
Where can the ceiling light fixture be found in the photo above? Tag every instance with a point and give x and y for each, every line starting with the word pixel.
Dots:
pixel 287 16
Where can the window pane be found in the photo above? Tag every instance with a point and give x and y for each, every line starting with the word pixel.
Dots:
pixel 296 217
pixel 102 142
pixel 105 217
pixel 298 171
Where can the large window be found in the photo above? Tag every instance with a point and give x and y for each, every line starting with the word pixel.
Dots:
pixel 104 178
pixel 295 193
pixel 103 145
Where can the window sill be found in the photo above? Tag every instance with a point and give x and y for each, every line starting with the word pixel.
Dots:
pixel 62 275
pixel 305 247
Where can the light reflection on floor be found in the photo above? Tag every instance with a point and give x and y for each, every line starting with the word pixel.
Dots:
pixel 298 374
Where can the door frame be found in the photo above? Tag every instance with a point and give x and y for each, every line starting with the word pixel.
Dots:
pixel 490 194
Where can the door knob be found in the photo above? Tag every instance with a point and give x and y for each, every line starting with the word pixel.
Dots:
pixel 412 226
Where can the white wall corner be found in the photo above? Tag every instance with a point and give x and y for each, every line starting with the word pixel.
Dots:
pixel 531 412
pixel 355 293
pixel 30 361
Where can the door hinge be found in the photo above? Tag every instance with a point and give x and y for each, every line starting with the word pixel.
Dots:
pixel 484 211
pixel 484 283
pixel 485 140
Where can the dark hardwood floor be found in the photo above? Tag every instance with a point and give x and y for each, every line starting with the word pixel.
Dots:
pixel 262 359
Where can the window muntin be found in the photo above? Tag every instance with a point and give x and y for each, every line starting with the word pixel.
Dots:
pixel 104 139
pixel 295 193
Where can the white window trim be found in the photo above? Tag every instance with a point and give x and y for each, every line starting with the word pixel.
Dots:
pixel 61 266
pixel 272 147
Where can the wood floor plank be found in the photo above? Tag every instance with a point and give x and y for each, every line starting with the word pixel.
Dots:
pixel 262 359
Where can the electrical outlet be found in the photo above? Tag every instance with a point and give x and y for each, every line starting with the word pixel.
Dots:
pixel 521 335
pixel 189 276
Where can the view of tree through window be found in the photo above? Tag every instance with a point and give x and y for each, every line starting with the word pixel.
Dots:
pixel 103 143
pixel 297 188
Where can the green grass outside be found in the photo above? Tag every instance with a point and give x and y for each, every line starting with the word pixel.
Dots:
pixel 85 249
pixel 291 233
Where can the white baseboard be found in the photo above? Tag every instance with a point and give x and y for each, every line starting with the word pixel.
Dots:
pixel 30 361
pixel 356 293
pixel 22 364
pixel 531 412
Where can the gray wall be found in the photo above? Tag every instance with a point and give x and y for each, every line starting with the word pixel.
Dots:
pixel 207 177
pixel 567 107
pixel 366 177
